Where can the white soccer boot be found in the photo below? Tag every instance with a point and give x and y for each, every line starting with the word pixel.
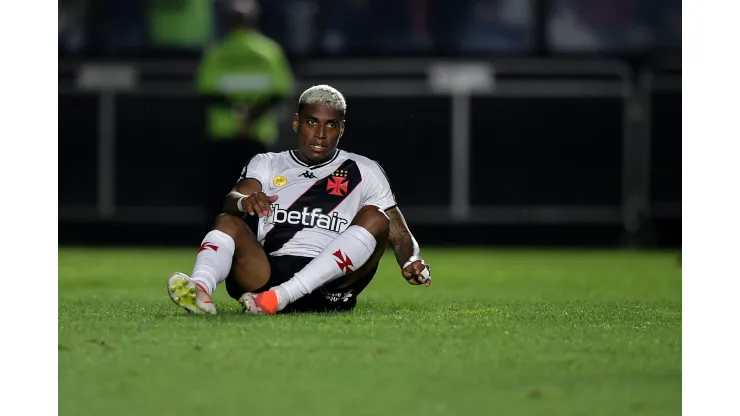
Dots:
pixel 189 295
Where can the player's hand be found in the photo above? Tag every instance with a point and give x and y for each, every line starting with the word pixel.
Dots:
pixel 258 203
pixel 417 272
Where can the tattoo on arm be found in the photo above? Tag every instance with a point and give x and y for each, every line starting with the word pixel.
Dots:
pixel 400 239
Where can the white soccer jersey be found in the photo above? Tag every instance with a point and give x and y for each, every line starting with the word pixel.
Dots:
pixel 315 203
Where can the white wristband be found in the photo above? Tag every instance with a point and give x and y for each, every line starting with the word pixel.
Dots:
pixel 426 274
pixel 239 205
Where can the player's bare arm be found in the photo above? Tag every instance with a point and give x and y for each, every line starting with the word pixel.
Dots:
pixel 406 249
pixel 247 197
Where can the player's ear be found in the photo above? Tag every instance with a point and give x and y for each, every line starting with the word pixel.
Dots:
pixel 341 130
pixel 295 122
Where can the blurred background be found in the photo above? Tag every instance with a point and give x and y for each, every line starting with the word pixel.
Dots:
pixel 502 122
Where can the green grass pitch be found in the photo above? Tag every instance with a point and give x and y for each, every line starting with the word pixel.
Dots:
pixel 499 332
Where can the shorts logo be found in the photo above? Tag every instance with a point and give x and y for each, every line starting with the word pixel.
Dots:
pixel 279 181
pixel 343 261
pixel 337 186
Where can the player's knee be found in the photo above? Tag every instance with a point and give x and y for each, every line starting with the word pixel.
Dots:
pixel 229 224
pixel 373 219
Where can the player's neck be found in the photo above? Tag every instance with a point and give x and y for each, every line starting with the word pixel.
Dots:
pixel 309 162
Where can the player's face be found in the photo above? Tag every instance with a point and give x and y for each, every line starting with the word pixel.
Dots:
pixel 319 128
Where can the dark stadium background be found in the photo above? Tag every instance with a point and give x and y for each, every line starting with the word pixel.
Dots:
pixel 577 143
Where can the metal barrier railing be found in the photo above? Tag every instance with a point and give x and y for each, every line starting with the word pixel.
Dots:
pixel 531 78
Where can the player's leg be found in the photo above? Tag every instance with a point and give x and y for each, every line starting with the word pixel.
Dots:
pixel 367 270
pixel 348 252
pixel 341 294
pixel 230 249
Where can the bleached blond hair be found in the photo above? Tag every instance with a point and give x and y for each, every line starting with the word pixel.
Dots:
pixel 323 94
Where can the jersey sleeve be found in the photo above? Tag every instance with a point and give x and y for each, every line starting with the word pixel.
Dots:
pixel 377 188
pixel 258 168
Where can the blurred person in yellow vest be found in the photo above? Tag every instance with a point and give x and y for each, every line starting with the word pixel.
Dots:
pixel 250 71
pixel 179 24
pixel 243 79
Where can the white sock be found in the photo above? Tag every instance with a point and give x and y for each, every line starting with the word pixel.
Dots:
pixel 346 253
pixel 213 262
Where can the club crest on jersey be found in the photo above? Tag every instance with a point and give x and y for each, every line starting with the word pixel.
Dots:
pixel 314 218
pixel 279 181
pixel 337 185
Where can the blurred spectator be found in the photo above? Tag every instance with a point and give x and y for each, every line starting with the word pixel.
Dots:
pixel 374 27
pixel 126 25
pixel 566 30
pixel 291 23
pixel 348 25
pixel 107 28
pixel 497 26
pixel 244 77
pixel 300 25
pixel 664 17
pixel 614 25
pixel 72 26
pixel 425 26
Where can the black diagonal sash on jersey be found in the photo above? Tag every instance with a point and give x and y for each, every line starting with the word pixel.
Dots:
pixel 317 196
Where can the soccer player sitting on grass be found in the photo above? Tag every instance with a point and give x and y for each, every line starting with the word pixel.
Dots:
pixel 325 218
